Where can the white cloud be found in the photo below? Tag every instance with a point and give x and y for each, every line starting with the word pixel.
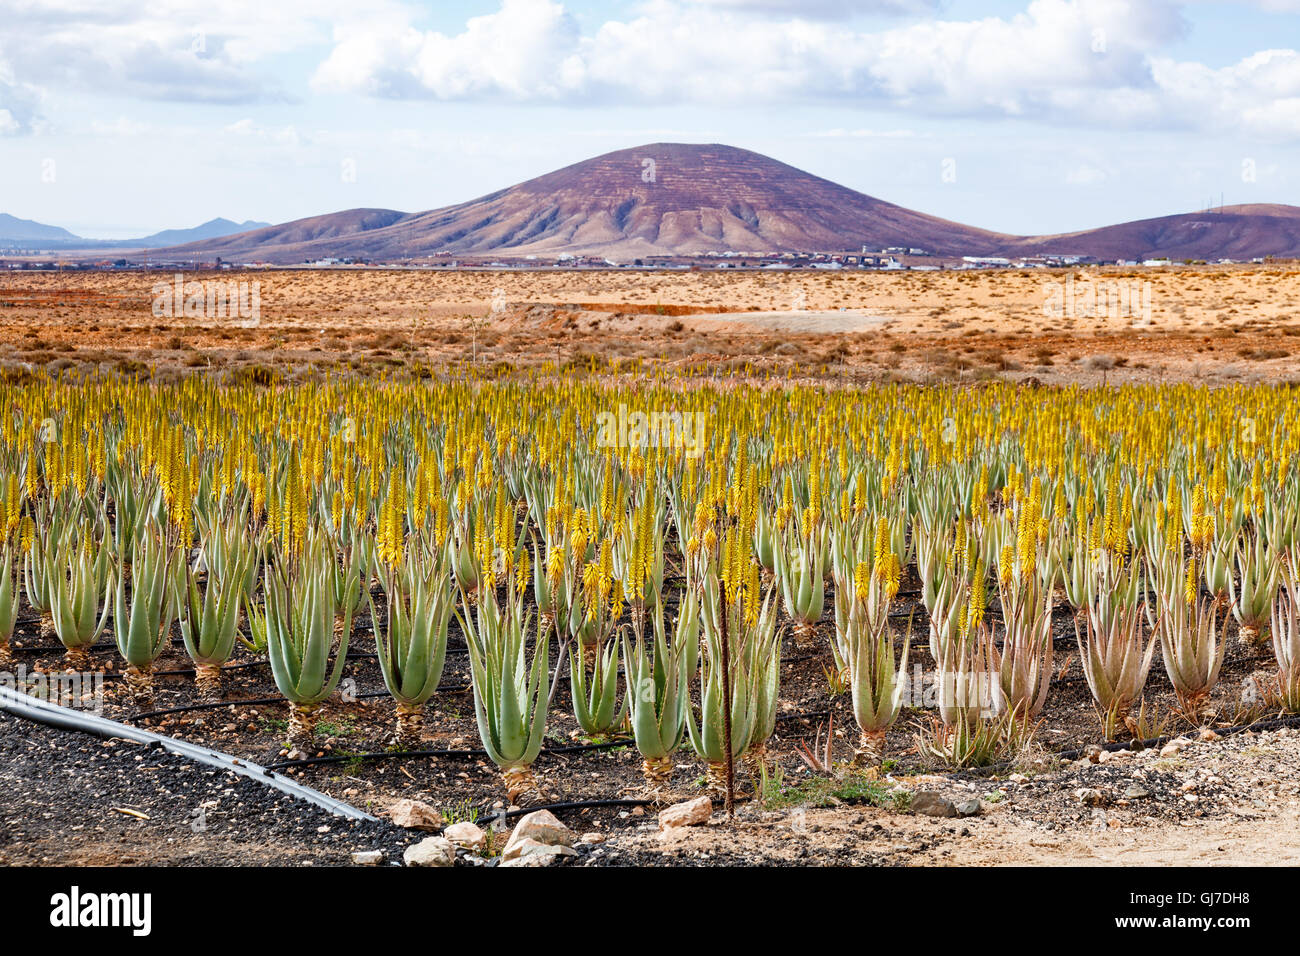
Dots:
pixel 1076 62
pixel 825 9
pixel 1082 63
pixel 527 50
pixel 19 103
pixel 188 50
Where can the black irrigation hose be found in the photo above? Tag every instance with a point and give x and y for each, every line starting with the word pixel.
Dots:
pixel 417 754
pixel 211 705
pixel 561 807
pixel 1257 726
pixel 1162 676
pixel 269 702
pixel 183 672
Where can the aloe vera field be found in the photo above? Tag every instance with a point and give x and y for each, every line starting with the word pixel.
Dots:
pixel 862 620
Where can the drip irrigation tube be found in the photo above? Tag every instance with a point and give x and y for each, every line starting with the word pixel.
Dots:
pixel 1258 726
pixel 53 715
pixel 1270 723
pixel 267 702
pixel 417 754
pixel 561 807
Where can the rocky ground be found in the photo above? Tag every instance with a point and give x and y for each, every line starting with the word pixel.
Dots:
pixel 76 799
pixel 1231 800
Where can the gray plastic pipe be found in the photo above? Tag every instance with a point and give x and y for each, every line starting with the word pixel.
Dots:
pixel 43 712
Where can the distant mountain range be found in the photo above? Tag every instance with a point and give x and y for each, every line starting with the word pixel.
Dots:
pixel 23 234
pixel 681 199
pixel 14 228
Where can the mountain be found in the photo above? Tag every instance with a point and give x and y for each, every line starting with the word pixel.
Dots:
pixel 661 199
pixel 680 199
pixel 1230 232
pixel 212 229
pixel 12 227
pixel 22 233
pixel 335 234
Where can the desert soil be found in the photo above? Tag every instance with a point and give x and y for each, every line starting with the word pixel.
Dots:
pixel 1215 324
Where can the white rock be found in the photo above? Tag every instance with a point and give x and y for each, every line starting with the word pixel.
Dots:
pixel 528 847
pixel 414 815
pixel 1091 796
pixel 688 814
pixel 593 837
pixel 368 857
pixel 543 827
pixel 466 834
pixel 431 851
pixel 1174 747
pixel 526 861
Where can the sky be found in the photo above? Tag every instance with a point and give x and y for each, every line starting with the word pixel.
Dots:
pixel 118 119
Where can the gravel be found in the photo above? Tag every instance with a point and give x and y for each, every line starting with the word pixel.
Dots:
pixel 77 799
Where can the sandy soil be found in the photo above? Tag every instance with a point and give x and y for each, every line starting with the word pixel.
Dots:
pixel 1213 323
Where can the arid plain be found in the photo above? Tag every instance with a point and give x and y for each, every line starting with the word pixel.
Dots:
pixel 1214 324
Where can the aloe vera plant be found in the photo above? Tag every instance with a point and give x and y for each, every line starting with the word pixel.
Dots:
pixel 209 621
pixel 80 595
pixel 142 621
pixel 1191 649
pixel 298 624
pixel 412 649
pixel 801 575
pixel 596 702
pixel 968 688
pixel 348 579
pixel 761 646
pixel 1251 595
pixel 554 586
pixel 1285 633
pixel 595 695
pixel 708 737
pixel 8 607
pixel 510 695
pixel 1114 658
pixel 39 558
pixel 750 633
pixel 658 682
pixel 875 680
pixel 1024 662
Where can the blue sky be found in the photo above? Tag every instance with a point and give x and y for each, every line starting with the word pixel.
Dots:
pixel 119 119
